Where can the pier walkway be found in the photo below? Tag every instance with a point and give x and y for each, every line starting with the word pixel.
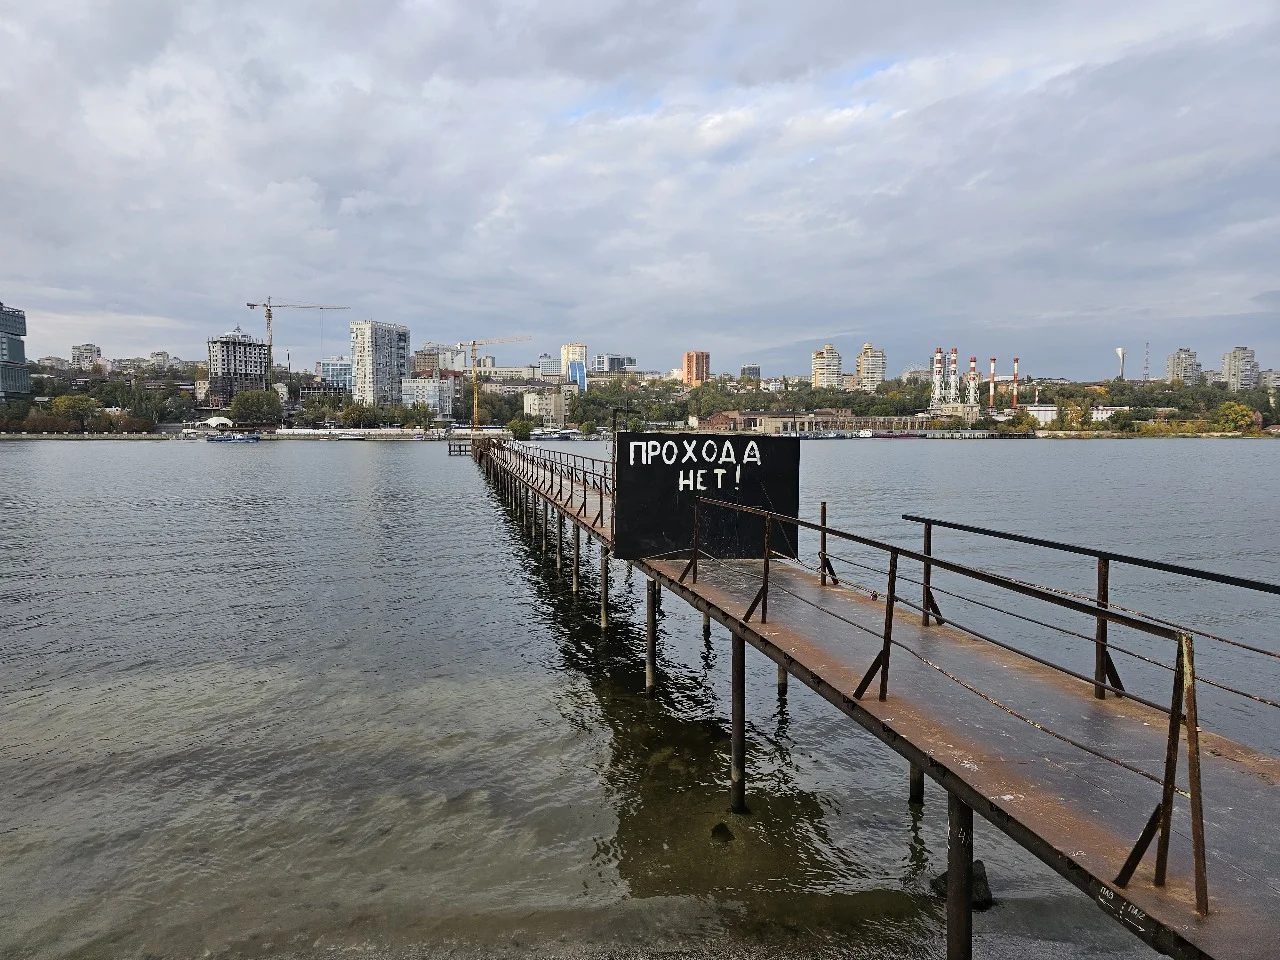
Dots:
pixel 1169 827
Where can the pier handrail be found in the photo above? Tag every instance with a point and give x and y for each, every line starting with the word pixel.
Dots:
pixel 1182 711
pixel 1246 583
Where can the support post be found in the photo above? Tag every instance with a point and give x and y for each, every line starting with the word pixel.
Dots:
pixel 928 575
pixel 1193 777
pixel 559 541
pixel 1170 767
pixel 782 679
pixel 577 555
pixel 546 519
pixel 1100 636
pixel 888 623
pixel 916 798
pixel 764 587
pixel 604 586
pixel 706 625
pixel 822 541
pixel 651 645
pixel 959 879
pixel 738 733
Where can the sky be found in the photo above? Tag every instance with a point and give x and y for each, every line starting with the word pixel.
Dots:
pixel 1049 180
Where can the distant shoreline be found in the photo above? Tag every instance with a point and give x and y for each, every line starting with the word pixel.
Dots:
pixel 1039 435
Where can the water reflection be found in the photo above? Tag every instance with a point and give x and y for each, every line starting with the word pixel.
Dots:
pixel 772 872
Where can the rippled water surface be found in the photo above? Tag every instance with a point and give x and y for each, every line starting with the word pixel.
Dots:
pixel 292 698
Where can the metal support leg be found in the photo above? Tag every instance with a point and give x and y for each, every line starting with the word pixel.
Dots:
pixel 782 679
pixel 706 626
pixel 604 586
pixel 738 734
pixel 959 880
pixel 559 541
pixel 916 798
pixel 577 555
pixel 546 520
pixel 651 647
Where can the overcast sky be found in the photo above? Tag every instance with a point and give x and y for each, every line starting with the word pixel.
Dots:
pixel 1046 179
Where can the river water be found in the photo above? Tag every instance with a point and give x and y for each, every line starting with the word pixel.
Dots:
pixel 317 699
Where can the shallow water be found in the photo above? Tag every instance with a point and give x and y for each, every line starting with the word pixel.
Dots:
pixel 291 698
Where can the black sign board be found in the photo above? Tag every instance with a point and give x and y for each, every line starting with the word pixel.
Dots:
pixel 659 475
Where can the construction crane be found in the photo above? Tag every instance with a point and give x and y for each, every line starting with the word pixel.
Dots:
pixel 475 374
pixel 268 306
pixel 475 370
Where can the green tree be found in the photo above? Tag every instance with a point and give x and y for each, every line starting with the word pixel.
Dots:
pixel 75 408
pixel 359 416
pixel 588 429
pixel 256 406
pixel 1122 421
pixel 520 429
pixel 1235 417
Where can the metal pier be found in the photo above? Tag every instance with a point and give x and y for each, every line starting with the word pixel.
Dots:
pixel 1167 826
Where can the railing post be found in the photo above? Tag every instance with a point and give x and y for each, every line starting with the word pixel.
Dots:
pixel 1170 767
pixel 1193 776
pixel 738 734
pixel 959 879
pixel 888 623
pixel 696 502
pixel 764 588
pixel 822 541
pixel 1100 636
pixel 928 574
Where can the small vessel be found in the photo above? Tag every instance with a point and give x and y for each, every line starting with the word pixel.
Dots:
pixel 233 437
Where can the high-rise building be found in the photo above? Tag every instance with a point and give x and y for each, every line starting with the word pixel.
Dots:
pixel 549 366
pixel 436 392
pixel 572 353
pixel 870 368
pixel 612 363
pixel 1269 379
pixel 433 359
pixel 380 361
pixel 236 362
pixel 335 371
pixel 85 355
pixel 548 407
pixel 15 381
pixel 751 371
pixel 1240 369
pixel 1184 365
pixel 697 367
pixel 826 368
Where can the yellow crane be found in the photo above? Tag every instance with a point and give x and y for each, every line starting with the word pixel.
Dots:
pixel 475 370
pixel 268 306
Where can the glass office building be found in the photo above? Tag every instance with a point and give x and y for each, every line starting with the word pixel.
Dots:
pixel 15 381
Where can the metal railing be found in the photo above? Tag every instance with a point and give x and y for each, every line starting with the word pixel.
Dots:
pixel 573 481
pixel 1105 675
pixel 1181 710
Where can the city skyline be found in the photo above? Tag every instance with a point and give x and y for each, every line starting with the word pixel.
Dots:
pixel 1048 182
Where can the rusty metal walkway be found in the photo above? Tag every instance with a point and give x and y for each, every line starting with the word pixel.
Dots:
pixel 1025 743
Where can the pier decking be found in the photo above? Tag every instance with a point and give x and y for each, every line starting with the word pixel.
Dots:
pixel 1088 777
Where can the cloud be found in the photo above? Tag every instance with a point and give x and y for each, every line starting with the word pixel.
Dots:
pixel 1038 180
